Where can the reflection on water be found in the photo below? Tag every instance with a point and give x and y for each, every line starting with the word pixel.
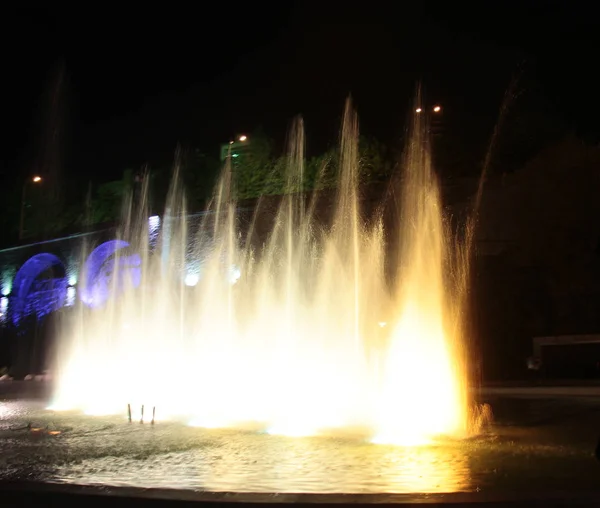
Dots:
pixel 108 450
pixel 518 454
pixel 429 470
pixel 262 463
pixel 321 465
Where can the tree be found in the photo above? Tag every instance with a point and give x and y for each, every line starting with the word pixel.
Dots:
pixel 106 204
pixel 199 173
pixel 256 171
pixel 375 164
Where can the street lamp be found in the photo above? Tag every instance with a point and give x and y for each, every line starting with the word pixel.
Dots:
pixel 34 179
pixel 437 109
pixel 243 138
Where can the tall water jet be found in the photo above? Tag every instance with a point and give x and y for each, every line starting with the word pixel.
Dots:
pixel 296 345
pixel 424 392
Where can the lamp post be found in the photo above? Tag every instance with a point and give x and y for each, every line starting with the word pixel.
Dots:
pixel 436 109
pixel 227 149
pixel 434 115
pixel 34 179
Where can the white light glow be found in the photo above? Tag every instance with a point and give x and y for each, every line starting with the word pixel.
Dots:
pixel 71 293
pixel 6 287
pixel 153 222
pixel 191 279
pixel 3 308
pixel 296 346
pixel 234 274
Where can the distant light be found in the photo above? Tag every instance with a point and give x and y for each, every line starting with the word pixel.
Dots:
pixel 37 179
pixel 235 154
pixel 437 109
pixel 231 142
pixel 234 274
pixel 382 324
pixel 70 300
pixel 191 279
pixel 72 280
pixel 418 110
pixel 153 222
pixel 3 308
pixel 6 288
pixel 243 138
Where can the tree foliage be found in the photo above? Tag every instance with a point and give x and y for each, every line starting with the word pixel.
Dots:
pixel 258 171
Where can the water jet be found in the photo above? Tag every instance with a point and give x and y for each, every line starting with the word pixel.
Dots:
pixel 285 334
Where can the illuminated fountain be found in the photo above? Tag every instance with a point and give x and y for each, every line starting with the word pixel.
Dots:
pixel 313 337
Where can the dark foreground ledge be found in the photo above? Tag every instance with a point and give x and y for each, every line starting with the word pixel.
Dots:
pixel 21 494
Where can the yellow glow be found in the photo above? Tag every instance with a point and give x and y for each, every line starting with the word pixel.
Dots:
pixel 437 109
pixel 243 138
pixel 429 470
pixel 423 393
pixel 418 110
pixel 419 380
pixel 37 179
pixel 298 345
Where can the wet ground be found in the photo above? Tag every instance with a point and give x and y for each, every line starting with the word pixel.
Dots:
pixel 535 445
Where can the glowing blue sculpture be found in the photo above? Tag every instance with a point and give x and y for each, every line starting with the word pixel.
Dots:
pixel 98 284
pixel 40 287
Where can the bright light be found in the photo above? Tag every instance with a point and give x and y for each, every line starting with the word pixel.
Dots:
pixel 418 110
pixel 153 222
pixel 423 393
pixel 235 154
pixel 295 346
pixel 243 138
pixel 72 280
pixel 3 308
pixel 191 279
pixel 6 287
pixel 70 300
pixel 234 274
pixel 37 179
pixel 437 109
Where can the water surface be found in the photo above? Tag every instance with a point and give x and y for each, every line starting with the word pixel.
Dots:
pixel 534 445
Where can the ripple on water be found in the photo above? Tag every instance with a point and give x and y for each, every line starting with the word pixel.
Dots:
pixel 110 451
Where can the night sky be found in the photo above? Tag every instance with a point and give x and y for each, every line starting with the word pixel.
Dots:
pixel 138 81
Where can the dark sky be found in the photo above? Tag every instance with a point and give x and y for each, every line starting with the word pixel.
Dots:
pixel 138 81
